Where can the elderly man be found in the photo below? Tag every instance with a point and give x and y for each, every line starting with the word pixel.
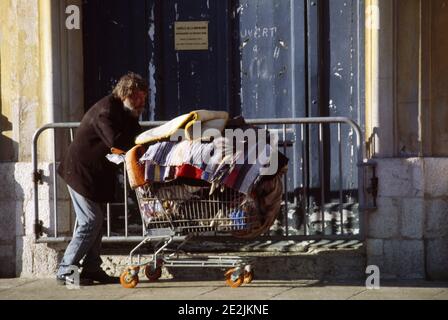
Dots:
pixel 110 123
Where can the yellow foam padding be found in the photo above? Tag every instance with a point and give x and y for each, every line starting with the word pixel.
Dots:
pixel 216 124
pixel 135 169
pixel 186 121
pixel 204 116
pixel 164 131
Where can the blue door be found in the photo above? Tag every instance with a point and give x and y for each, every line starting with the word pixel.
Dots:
pixel 260 58
pixel 183 78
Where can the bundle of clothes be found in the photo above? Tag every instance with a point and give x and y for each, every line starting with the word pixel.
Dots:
pixel 206 148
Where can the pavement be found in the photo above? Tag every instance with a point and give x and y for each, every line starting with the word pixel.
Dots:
pixel 47 289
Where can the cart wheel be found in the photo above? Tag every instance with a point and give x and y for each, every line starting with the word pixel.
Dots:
pixel 128 279
pixel 233 283
pixel 151 274
pixel 248 277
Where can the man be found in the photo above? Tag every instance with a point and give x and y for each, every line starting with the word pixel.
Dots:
pixel 112 123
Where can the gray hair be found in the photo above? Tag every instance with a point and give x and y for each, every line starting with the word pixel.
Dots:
pixel 128 85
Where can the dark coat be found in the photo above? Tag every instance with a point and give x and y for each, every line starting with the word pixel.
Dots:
pixel 85 167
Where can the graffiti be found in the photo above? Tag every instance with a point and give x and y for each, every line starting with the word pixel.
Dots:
pixel 258 32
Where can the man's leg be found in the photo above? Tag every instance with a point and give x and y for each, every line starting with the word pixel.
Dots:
pixel 92 262
pixel 90 219
pixel 91 266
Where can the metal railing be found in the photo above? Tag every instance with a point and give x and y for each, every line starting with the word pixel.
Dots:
pixel 301 139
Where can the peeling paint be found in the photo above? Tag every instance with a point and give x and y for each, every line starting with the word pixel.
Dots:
pixel 240 9
pixel 152 66
pixel 175 10
pixel 283 44
pixel 178 83
pixel 244 43
pixel 276 52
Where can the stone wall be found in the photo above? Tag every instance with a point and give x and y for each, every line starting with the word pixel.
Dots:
pixel 8 209
pixel 41 81
pixel 20 255
pixel 408 234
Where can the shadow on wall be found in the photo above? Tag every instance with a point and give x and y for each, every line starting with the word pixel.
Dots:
pixel 11 202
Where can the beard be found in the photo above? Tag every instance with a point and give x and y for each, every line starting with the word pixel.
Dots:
pixel 135 112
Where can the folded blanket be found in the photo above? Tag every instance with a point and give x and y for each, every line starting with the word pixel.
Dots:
pixel 216 120
pixel 266 207
pixel 208 119
pixel 164 131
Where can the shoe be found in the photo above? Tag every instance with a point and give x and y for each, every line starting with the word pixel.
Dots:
pixel 65 279
pixel 99 276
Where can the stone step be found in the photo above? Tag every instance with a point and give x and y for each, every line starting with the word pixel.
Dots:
pixel 324 260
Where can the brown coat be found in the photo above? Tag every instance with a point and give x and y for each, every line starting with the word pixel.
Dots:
pixel 85 167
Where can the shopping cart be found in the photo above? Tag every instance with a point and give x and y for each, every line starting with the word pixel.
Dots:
pixel 173 213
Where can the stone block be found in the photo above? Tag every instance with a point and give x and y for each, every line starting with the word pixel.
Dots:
pixel 436 219
pixel 412 259
pixel 25 185
pixel 7 220
pixel 412 218
pixel 39 260
pixel 7 251
pixel 383 223
pixel 7 260
pixel 7 268
pixel 418 178
pixel 436 183
pixel 385 272
pixel 66 219
pixel 399 178
pixel 404 259
pixel 23 177
pixel 45 215
pixel 390 262
pixel 20 219
pixel 375 247
pixel 437 259
pixel 8 192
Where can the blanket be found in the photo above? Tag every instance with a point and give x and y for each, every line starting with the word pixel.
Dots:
pixel 216 120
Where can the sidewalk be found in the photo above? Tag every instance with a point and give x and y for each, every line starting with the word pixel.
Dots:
pixel 43 289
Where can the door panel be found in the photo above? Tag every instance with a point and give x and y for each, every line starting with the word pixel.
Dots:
pixel 265 59
pixel 115 42
pixel 272 38
pixel 194 79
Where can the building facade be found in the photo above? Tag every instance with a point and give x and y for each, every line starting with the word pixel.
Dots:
pixel 378 62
